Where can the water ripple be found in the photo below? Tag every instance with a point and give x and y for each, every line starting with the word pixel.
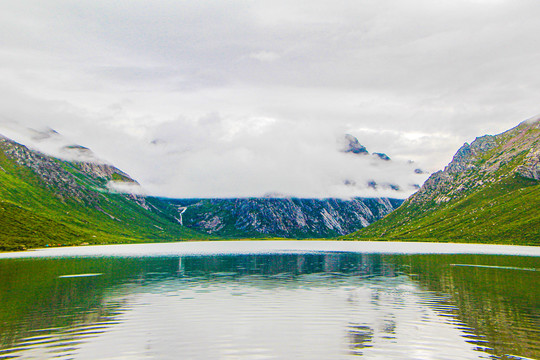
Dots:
pixel 326 307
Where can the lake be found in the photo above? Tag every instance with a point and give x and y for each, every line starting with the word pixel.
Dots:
pixel 271 300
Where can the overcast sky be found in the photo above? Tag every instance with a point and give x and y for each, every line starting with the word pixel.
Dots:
pixel 244 98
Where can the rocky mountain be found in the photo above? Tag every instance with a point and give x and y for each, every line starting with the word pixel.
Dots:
pixel 282 217
pixel 45 201
pixel 489 193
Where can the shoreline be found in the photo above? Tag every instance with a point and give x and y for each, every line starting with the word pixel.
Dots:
pixel 271 246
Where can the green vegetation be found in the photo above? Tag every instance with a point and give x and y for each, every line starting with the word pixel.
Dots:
pixel 489 195
pixel 505 213
pixel 34 213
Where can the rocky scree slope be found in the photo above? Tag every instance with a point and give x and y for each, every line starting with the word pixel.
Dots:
pixel 282 217
pixel 45 201
pixel 489 193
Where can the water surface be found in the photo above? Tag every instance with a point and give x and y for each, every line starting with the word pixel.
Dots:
pixel 271 301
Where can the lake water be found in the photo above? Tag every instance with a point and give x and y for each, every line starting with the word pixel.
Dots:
pixel 271 300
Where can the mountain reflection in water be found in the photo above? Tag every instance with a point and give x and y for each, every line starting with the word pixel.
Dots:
pixel 315 306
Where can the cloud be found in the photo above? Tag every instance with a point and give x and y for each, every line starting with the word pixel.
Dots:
pixel 244 98
pixel 125 188
pixel 288 160
pixel 265 56
pixel 224 156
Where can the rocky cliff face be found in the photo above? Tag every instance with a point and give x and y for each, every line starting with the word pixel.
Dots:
pixel 56 175
pixel 51 173
pixel 487 160
pixel 274 217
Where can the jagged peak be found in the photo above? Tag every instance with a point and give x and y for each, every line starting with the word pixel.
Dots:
pixel 350 144
pixel 484 143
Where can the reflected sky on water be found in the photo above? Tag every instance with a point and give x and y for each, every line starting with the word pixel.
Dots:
pixel 271 306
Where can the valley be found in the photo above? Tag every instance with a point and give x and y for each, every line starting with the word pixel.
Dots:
pixel 489 193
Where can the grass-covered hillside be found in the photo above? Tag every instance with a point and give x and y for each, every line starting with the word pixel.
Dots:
pixel 489 193
pixel 49 202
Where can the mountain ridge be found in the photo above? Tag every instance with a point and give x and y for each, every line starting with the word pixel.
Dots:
pixel 282 217
pixel 489 192
pixel 45 201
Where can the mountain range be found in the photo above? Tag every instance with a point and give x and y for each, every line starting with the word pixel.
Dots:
pixel 282 217
pixel 489 193
pixel 49 201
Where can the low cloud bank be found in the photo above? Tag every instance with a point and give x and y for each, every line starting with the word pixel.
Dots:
pixel 217 156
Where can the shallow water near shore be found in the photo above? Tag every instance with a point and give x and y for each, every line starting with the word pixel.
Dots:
pixel 271 300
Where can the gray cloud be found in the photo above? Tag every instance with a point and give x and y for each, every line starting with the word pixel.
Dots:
pixel 243 98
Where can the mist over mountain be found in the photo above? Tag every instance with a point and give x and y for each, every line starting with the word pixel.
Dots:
pixel 488 193
pixel 188 161
pixel 46 201
pixel 206 99
pixel 81 199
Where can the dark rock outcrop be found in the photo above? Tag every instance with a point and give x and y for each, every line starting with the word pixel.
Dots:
pixel 382 156
pixel 283 217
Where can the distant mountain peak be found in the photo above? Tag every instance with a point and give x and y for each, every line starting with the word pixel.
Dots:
pixel 382 156
pixel 386 176
pixel 352 145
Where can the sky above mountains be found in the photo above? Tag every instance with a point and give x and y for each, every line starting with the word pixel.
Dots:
pixel 240 98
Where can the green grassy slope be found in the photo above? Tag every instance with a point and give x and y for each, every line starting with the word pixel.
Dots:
pixel 504 213
pixel 487 195
pixel 33 213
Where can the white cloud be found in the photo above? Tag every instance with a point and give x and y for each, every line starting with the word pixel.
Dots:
pixel 265 56
pixel 205 98
pixel 125 188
